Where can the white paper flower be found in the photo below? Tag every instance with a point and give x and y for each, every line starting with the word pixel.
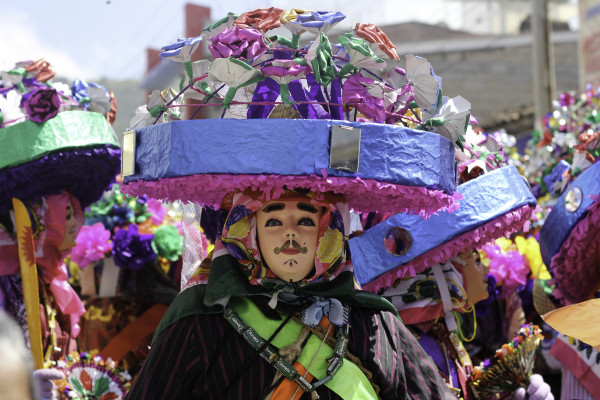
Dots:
pixel 10 107
pixel 455 113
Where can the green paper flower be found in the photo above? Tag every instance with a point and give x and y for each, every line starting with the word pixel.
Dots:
pixel 167 242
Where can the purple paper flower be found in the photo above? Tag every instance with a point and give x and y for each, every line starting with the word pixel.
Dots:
pixel 320 20
pixel 357 92
pixel 246 43
pixel 288 70
pixel 132 250
pixel 41 104
pixel 79 89
pixel 175 49
pixel 487 363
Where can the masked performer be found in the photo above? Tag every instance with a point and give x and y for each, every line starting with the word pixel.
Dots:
pixel 58 154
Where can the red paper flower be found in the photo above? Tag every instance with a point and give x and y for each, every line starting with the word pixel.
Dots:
pixel 263 19
pixel 372 33
pixel 41 69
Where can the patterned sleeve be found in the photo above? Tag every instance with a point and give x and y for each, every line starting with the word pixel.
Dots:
pixel 400 366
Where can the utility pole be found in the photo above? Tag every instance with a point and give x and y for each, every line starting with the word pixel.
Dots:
pixel 543 61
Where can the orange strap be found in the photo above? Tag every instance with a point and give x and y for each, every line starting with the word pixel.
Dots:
pixel 286 388
pixel 129 338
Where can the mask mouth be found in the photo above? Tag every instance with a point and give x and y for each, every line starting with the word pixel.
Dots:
pixel 285 248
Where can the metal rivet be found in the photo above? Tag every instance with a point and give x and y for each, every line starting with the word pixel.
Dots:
pixel 573 199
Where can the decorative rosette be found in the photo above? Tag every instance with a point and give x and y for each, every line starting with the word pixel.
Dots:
pixel 89 376
pixel 354 80
pixel 511 367
pixel 54 137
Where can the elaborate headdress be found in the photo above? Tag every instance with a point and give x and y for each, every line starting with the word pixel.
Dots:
pixel 54 137
pixel 362 126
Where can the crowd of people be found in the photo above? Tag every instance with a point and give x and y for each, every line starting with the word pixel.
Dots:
pixel 341 230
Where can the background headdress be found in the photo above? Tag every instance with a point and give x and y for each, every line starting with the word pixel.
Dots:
pixel 494 204
pixel 569 241
pixel 54 137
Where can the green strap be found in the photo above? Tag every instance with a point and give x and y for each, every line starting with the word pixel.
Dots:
pixel 348 372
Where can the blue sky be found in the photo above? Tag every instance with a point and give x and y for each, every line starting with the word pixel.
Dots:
pixel 108 38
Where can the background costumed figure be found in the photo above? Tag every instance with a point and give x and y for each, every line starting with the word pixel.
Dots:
pixel 58 153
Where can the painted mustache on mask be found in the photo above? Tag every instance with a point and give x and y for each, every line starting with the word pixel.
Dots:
pixel 292 243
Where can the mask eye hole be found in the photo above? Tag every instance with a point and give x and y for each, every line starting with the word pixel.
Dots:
pixel 397 241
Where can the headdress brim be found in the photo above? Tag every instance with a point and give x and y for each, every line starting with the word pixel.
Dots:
pixel 569 239
pixel 493 205
pixel 400 169
pixel 75 151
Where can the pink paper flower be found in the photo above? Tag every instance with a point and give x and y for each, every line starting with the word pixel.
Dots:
pixel 366 95
pixel 92 243
pixel 158 210
pixel 240 43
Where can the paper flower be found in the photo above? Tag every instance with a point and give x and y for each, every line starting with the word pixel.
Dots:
pixel 319 58
pixel 245 44
pixel 420 75
pixel 366 96
pixel 234 74
pixel 91 96
pixel 41 69
pixel 156 109
pixel 132 250
pixel 167 242
pixel 361 55
pixel 10 109
pixel 243 56
pixel 373 34
pixel 319 21
pixel 41 104
pixel 289 19
pixel 263 19
pixel 455 115
pixel 158 210
pixel 93 242
pixel 508 266
pixel 181 50
pixel 284 72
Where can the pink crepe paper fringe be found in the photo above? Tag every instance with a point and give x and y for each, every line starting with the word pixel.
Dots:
pixel 508 223
pixel 362 194
pixel 574 267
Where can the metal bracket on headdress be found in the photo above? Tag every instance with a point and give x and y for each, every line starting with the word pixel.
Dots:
pixel 345 148
pixel 128 153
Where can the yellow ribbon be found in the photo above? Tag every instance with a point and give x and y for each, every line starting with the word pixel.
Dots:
pixel 30 280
